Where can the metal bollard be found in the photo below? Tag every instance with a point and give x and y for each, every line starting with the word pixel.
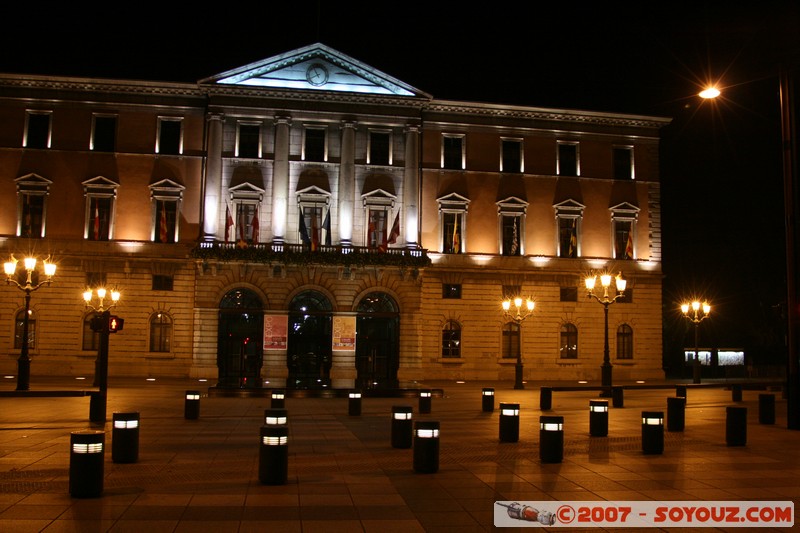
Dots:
pixel 402 428
pixel 125 437
pixel 487 400
pixel 276 417
pixel 278 398
pixel 425 401
pixel 545 398
pixel 354 403
pixel 653 432
pixel 426 447
pixel 551 439
pixel 191 405
pixel 509 422
pixel 676 413
pixel 598 418
pixel 735 425
pixel 86 463
pixel 766 408
pixel 273 457
pixel 617 397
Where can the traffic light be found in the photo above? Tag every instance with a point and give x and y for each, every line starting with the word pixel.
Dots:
pixel 115 323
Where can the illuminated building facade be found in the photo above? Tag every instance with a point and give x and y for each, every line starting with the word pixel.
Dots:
pixel 310 218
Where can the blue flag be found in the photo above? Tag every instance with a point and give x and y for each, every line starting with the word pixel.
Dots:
pixel 303 230
pixel 326 225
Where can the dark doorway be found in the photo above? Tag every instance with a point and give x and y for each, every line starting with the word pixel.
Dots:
pixel 377 341
pixel 239 342
pixel 308 354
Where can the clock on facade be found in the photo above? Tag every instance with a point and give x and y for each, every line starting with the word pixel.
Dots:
pixel 317 75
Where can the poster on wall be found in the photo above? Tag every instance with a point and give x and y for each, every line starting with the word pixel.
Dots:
pixel 276 329
pixel 344 333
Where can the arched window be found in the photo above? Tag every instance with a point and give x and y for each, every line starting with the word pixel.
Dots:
pixel 569 342
pixel 451 339
pixel 160 332
pixel 511 340
pixel 624 342
pixel 91 338
pixel 377 302
pixel 19 326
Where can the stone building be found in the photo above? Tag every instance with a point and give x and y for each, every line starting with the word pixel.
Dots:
pixel 308 218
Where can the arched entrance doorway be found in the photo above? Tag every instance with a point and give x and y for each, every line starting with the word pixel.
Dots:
pixel 308 349
pixel 239 343
pixel 377 341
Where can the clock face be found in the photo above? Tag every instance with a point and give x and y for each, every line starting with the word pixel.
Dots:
pixel 317 75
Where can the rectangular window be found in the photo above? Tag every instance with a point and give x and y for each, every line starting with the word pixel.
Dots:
pixel 511 291
pixel 451 291
pixel 314 145
pixel 623 163
pixel 37 130
pixel 511 341
pixel 32 221
pixel 249 141
pixel 162 282
pixel 453 232
pixel 511 234
pixel 512 156
pixel 627 297
pixel 379 148
pixel 99 218
pixel 247 225
pixel 312 225
pixel 569 294
pixel 567 159
pixel 453 152
pixel 95 280
pixel 567 237
pixel 376 228
pixel 165 221
pixel 170 136
pixel 104 133
pixel 623 239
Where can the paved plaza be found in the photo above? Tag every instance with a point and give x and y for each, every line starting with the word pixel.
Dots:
pixel 344 475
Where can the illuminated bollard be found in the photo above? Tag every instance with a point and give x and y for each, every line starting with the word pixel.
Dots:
pixel 125 437
pixel 735 426
pixel 509 422
pixel 276 417
pixel 86 463
pixel 426 447
pixel 402 427
pixel 676 413
pixel 766 408
pixel 487 400
pixel 598 418
pixel 680 391
pixel 736 393
pixel 191 405
pixel 273 457
pixel 545 398
pixel 354 403
pixel 278 398
pixel 617 397
pixel 425 401
pixel 551 439
pixel 653 432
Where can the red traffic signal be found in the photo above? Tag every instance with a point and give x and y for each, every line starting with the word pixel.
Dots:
pixel 115 323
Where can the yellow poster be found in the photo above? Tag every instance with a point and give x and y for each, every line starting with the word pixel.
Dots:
pixel 344 333
pixel 276 329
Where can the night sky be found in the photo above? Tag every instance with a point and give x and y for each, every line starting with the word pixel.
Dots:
pixel 722 183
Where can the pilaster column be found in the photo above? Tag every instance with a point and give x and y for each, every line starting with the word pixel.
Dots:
pixel 347 178
pixel 280 180
pixel 213 178
pixel 411 186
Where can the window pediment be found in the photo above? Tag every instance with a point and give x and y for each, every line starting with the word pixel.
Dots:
pixel 453 201
pixel 100 186
pixel 246 191
pixel 378 197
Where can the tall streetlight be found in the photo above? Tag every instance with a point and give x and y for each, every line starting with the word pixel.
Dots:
pixel 517 315
pixel 10 268
pixel 101 324
pixel 606 301
pixel 696 312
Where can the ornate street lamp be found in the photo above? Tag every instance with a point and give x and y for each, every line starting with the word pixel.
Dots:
pixel 696 312
pixel 518 314
pixel 606 300
pixel 10 268
pixel 100 324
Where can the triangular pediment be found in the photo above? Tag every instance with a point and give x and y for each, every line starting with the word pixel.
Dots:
pixel 569 205
pixel 624 207
pixel 315 67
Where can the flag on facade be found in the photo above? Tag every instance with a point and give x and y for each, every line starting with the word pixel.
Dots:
pixel 573 239
pixel 162 223
pixel 228 223
pixel 314 232
pixel 96 220
pixel 514 239
pixel 254 224
pixel 629 245
pixel 303 230
pixel 395 233
pixel 456 236
pixel 326 225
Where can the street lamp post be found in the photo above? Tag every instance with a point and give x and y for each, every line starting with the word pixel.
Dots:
pixel 10 268
pixel 518 314
pixel 98 401
pixel 606 300
pixel 696 313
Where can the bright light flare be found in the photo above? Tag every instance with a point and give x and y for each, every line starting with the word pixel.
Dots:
pixel 709 93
